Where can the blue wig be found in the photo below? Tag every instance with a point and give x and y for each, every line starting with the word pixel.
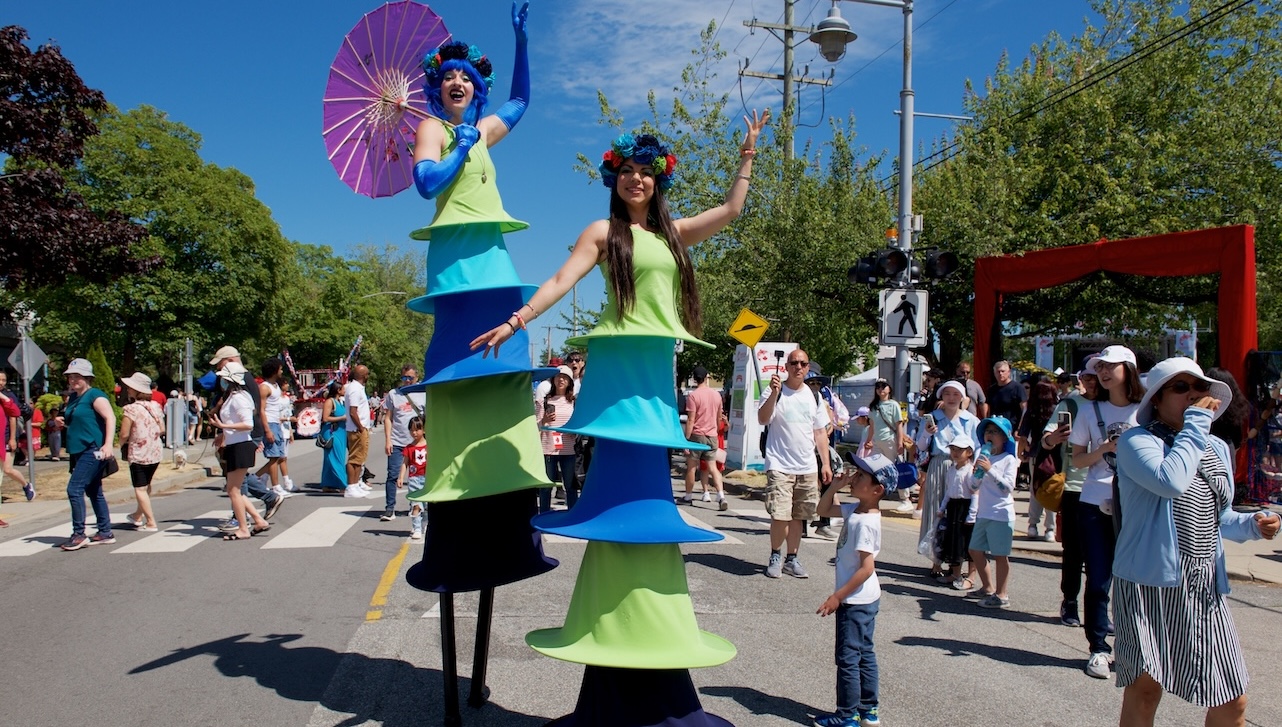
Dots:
pixel 457 56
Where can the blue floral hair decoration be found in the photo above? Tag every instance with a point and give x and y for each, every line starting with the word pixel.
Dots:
pixel 645 150
pixel 457 51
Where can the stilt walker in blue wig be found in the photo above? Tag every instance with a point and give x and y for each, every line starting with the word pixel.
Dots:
pixel 481 469
pixel 630 620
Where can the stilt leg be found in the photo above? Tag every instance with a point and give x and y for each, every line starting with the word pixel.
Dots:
pixel 481 657
pixel 449 664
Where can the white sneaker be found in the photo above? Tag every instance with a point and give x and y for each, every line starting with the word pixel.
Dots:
pixel 290 486
pixel 905 508
pixel 355 492
pixel 707 496
pixel 1049 536
pixel 1098 665
pixel 417 534
pixel 281 491
pixel 722 505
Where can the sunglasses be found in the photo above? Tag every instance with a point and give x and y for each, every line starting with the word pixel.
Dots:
pixel 798 363
pixel 574 360
pixel 1183 387
pixel 407 378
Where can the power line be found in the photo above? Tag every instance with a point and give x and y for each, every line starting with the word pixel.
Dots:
pixel 1090 80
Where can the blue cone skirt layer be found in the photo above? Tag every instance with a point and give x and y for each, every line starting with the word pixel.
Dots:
pixel 638 698
pixel 469 258
pixel 481 543
pixel 630 394
pixel 627 498
pixel 462 317
pixel 482 439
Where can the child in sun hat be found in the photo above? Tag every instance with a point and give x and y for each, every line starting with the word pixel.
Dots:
pixel 957 511
pixel 994 483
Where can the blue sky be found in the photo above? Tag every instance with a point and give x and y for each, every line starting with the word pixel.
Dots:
pixel 249 77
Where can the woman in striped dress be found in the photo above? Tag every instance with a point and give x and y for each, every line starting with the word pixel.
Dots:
pixel 1175 487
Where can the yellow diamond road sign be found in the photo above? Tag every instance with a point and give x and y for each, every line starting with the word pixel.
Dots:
pixel 748 328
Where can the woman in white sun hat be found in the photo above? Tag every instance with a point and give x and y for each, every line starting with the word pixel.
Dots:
pixel 91 430
pixel 1175 490
pixel 1094 438
pixel 140 427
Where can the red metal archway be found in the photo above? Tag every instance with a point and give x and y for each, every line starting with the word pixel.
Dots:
pixel 1229 251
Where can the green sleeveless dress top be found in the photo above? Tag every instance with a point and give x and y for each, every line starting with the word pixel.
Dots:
pixel 657 308
pixel 473 197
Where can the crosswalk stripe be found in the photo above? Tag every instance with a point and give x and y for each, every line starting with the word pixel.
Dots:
pixel 178 538
pixel 320 529
pixel 48 538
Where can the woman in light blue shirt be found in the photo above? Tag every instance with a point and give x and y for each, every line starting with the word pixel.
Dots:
pixel 1175 490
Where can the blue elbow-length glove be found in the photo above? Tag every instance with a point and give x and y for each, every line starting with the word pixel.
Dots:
pixel 511 112
pixel 431 177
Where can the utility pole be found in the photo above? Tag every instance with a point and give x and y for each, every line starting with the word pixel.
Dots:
pixel 788 78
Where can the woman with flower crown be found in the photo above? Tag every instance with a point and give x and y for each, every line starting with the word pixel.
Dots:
pixel 457 80
pixel 642 250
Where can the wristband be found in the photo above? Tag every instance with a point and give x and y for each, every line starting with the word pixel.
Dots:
pixel 519 319
pixel 509 323
pixel 745 177
pixel 747 152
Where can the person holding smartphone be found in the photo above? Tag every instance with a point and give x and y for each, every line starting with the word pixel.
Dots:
pixel 558 447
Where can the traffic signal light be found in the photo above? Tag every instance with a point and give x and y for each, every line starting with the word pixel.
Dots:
pixel 883 264
pixel 939 263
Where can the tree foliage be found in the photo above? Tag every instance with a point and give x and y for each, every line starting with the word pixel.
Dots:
pixel 1183 137
pixel 46 229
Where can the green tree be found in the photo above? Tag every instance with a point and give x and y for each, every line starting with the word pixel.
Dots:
pixel 1061 153
pixel 221 255
pixel 104 379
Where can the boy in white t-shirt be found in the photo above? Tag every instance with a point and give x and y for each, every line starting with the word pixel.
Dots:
pixel 857 597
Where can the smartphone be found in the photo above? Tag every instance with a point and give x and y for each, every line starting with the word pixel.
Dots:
pixel 549 409
pixel 1064 419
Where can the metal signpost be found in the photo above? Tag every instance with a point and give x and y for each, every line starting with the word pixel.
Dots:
pixel 27 359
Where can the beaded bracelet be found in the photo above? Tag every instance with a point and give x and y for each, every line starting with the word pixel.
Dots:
pixel 747 152
pixel 517 313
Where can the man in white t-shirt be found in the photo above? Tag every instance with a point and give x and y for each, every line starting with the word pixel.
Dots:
pixel 798 424
pixel 358 423
pixel 398 410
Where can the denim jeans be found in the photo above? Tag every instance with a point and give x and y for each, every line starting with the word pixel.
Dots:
pixel 394 461
pixel 1070 532
pixel 560 469
pixel 255 486
pixel 856 660
pixel 1098 544
pixel 86 481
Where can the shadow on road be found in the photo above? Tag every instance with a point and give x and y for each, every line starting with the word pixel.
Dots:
pixel 1001 654
pixel 391 692
pixel 934 602
pixel 761 703
pixel 726 564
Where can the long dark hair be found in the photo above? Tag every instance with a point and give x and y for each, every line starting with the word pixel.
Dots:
pixel 618 257
pixel 1232 423
pixel 1041 405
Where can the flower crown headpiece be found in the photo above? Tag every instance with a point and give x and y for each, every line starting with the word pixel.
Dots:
pixel 457 51
pixel 643 149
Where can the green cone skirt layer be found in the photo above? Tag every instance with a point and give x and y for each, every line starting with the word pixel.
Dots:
pixel 631 608
pixel 482 439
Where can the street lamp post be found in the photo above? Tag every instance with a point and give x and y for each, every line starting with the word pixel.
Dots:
pixel 832 45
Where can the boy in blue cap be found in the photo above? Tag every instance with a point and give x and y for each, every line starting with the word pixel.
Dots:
pixel 994 481
pixel 858 595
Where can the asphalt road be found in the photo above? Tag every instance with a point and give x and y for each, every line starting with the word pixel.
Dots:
pixel 254 633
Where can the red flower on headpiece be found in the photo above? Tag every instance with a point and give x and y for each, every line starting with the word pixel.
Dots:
pixel 672 163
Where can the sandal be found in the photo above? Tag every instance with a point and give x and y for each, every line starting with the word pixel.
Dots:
pixel 233 536
pixel 256 530
pixel 963 584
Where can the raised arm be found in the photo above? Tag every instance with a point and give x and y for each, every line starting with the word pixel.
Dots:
pixel 496 126
pixel 700 227
pixel 585 255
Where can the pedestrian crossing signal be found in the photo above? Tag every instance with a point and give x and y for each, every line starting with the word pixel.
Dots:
pixel 884 264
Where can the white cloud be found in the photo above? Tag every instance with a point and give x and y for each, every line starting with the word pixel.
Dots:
pixel 626 49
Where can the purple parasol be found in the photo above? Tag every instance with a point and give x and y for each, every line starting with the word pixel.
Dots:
pixel 374 98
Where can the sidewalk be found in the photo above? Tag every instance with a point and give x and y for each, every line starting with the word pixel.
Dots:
pixel 51 487
pixel 1255 560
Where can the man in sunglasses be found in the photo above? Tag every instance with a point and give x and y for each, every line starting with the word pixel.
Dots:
pixel 398 409
pixel 798 427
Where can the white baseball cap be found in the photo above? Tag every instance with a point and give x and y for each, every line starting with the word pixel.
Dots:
pixel 1116 355
pixel 224 353
pixel 80 366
